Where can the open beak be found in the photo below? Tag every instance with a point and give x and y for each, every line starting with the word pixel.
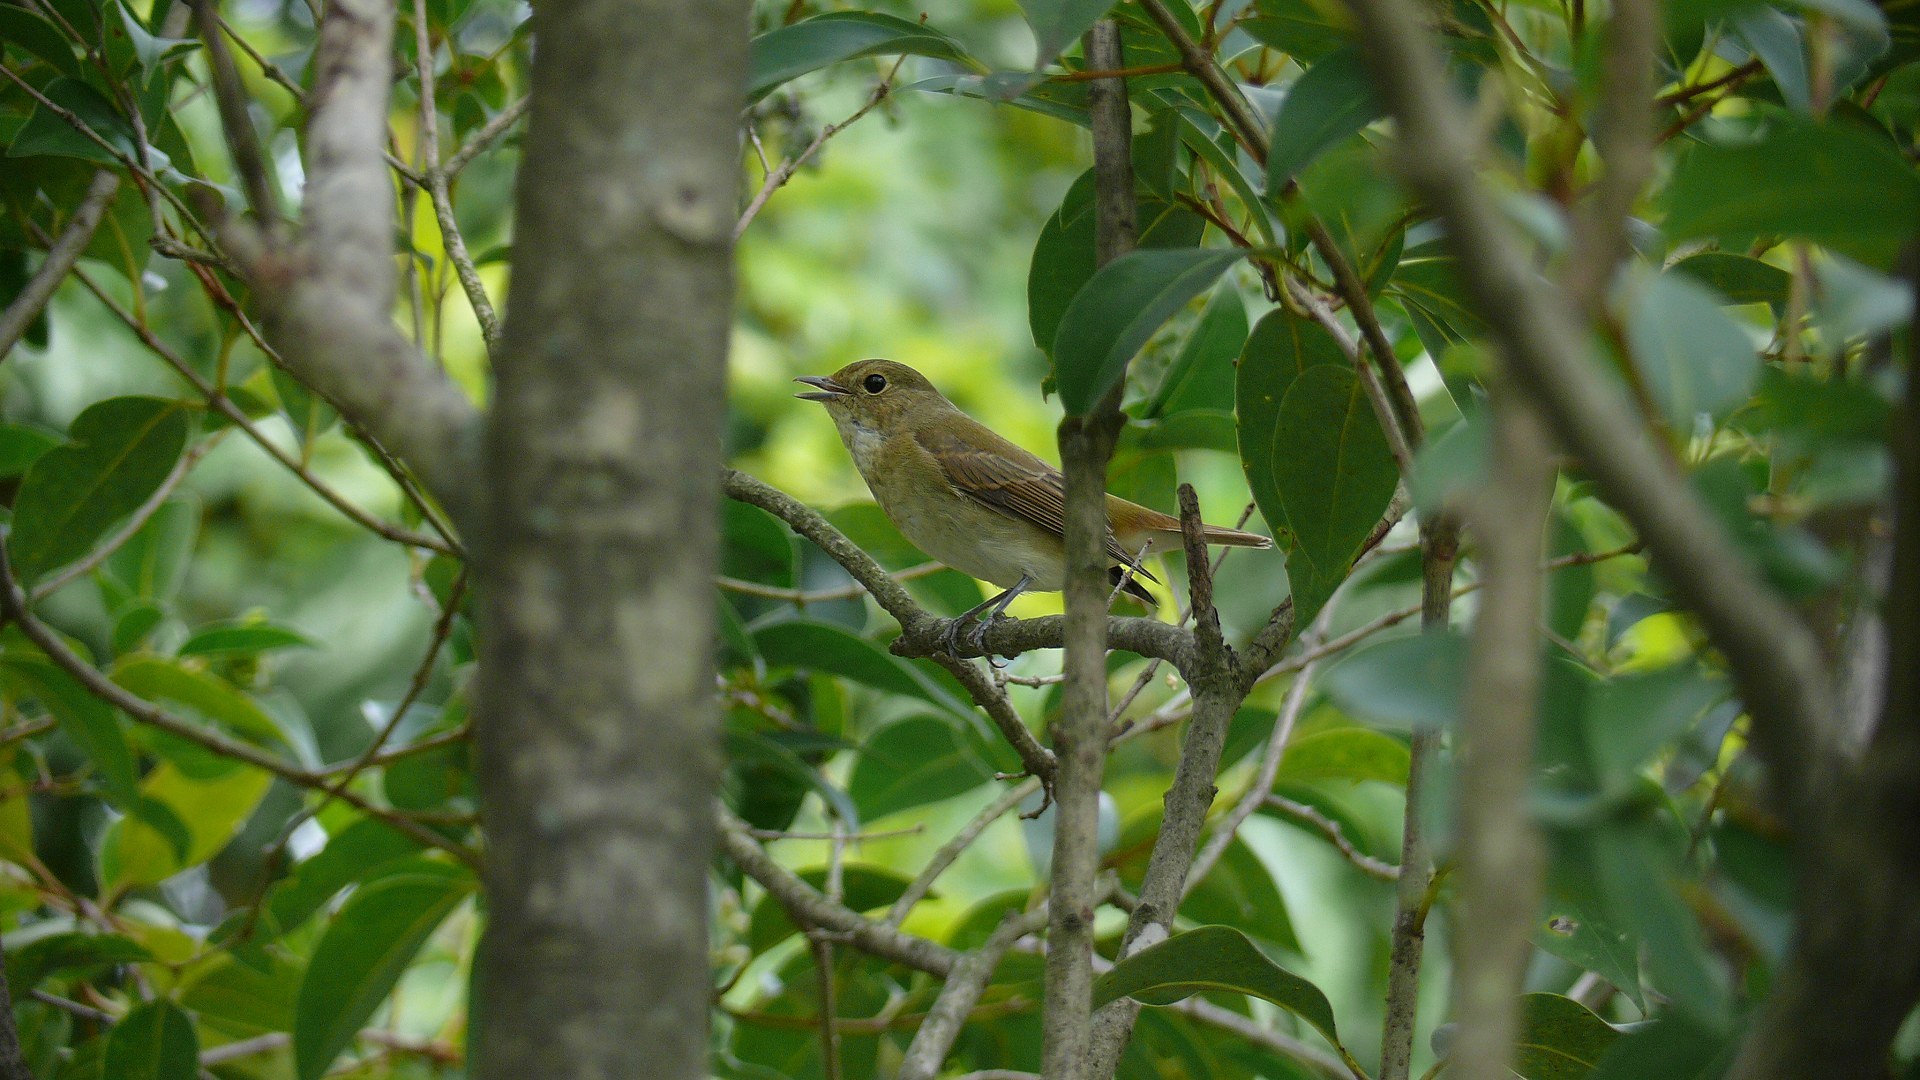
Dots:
pixel 828 388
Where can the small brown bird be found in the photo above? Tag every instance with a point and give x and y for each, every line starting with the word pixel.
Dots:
pixel 970 498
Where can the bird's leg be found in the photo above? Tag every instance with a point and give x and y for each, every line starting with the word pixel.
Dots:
pixel 974 626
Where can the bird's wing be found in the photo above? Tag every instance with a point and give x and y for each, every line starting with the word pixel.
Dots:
pixel 996 473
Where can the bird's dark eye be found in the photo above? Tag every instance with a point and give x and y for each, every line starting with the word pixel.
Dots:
pixel 874 383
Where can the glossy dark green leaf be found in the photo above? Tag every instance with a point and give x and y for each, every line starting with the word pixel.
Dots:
pixel 1240 892
pixel 118 453
pixel 1349 753
pixel 46 133
pixel 1059 23
pixel 1331 101
pixel 1695 359
pixel 365 849
pixel 309 413
pixel 1634 714
pixel 135 623
pixel 85 719
pixel 71 954
pixel 22 444
pixel 1117 310
pixel 913 762
pixel 37 36
pixel 146 848
pixel 1673 1046
pixel 1332 476
pixel 1775 39
pixel 1306 30
pixel 811 44
pixel 1576 932
pixel 243 639
pixel 1202 375
pixel 1213 958
pixel 758 547
pixel 1560 1039
pixel 1407 682
pixel 1641 877
pixel 361 956
pixel 1739 278
pixel 1832 184
pixel 1063 255
pixel 154 1041
pixel 823 647
pixel 152 564
pixel 1281 347
pixel 157 678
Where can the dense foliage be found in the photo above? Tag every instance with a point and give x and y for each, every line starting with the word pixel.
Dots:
pixel 237 810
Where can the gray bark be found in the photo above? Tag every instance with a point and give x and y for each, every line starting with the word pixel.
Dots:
pixel 598 735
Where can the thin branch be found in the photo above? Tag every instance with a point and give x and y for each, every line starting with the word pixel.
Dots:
pixel 1624 138
pixel 1499 855
pixel 778 178
pixel 809 909
pixel 1312 817
pixel 231 98
pixel 922 883
pixel 1080 729
pixel 961 993
pixel 478 142
pixel 328 298
pixel 66 250
pixel 437 192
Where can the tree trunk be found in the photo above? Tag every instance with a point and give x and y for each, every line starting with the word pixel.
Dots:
pixel 597 732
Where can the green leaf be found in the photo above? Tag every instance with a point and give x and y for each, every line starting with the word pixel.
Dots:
pixel 1059 23
pixel 22 444
pixel 157 678
pixel 1201 375
pixel 366 849
pixel 1303 29
pixel 243 639
pixel 1282 346
pixel 824 647
pixel 758 547
pixel 1213 958
pixel 119 452
pixel 1063 255
pixel 1833 184
pixel 811 44
pixel 77 954
pixel 308 412
pixel 46 133
pixel 1738 278
pixel 26 30
pixel 1115 313
pixel 1240 892
pixel 913 762
pixel 1407 682
pixel 1694 357
pixel 1351 753
pixel 361 956
pixel 1332 478
pixel 155 1041
pixel 85 719
pixel 1775 39
pixel 134 852
pixel 1331 101
pixel 1578 934
pixel 1560 1039
pixel 153 563
pixel 147 51
pixel 1632 715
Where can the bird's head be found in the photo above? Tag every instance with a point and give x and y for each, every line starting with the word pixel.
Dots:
pixel 878 394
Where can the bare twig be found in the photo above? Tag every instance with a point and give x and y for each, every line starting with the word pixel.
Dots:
pixel 437 192
pixel 66 250
pixel 778 178
pixel 478 142
pixel 1080 730
pixel 1624 138
pixel 1337 836
pixel 231 98
pixel 962 991
pixel 922 883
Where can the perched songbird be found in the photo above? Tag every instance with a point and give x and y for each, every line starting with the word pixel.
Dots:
pixel 970 498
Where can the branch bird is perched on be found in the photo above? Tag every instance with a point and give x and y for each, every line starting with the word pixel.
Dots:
pixel 970 498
